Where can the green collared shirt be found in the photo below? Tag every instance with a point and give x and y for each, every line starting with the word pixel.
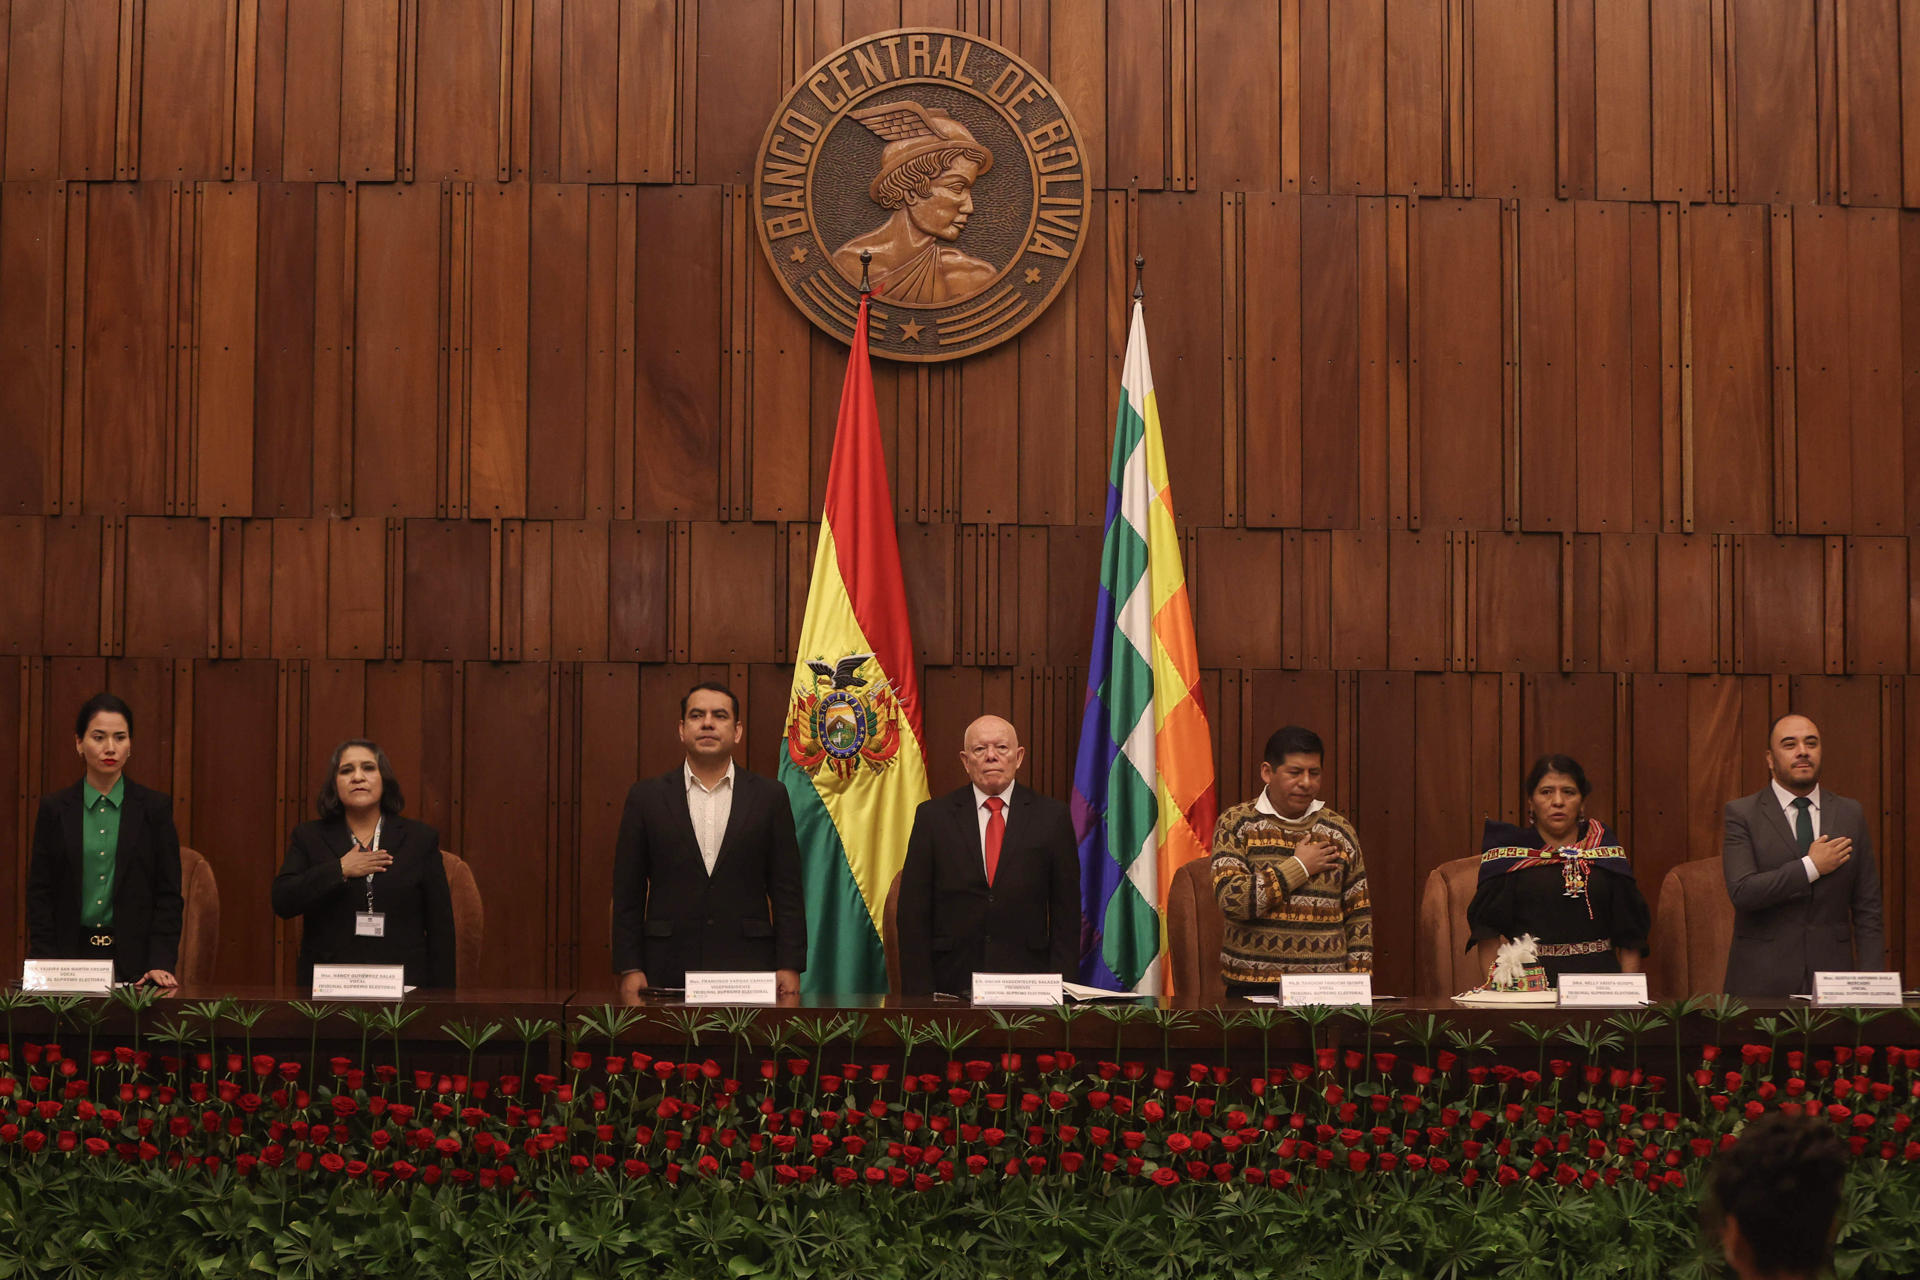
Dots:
pixel 99 839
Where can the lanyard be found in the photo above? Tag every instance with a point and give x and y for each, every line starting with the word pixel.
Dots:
pixel 378 823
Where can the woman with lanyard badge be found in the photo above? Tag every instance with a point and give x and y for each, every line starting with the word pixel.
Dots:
pixel 369 883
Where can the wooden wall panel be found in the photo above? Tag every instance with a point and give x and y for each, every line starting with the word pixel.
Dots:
pixel 458 50
pixel 1513 71
pixel 1183 303
pixel 185 90
pixel 504 819
pixel 677 354
pixel 556 418
pixel 396 350
pixel 235 822
pixel 1456 311
pixel 131 250
pixel 1476 450
pixel 1732 398
pixel 32 219
pixel 1137 98
pixel 30 140
pixel 1237 53
pixel 1332 339
pixel 1773 96
pixel 284 354
pixel 312 90
pixel 1869 140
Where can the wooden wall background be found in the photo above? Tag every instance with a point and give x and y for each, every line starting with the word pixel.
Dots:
pixel 1540 374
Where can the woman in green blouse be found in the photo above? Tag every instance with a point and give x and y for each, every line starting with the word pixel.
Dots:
pixel 104 882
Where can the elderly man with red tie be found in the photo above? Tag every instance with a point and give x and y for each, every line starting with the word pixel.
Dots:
pixel 992 879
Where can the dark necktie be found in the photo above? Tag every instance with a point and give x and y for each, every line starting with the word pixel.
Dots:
pixel 1803 823
pixel 996 835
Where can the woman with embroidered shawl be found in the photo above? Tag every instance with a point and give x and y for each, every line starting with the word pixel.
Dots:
pixel 1563 879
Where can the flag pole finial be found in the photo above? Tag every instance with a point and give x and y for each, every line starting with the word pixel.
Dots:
pixel 866 260
pixel 1139 274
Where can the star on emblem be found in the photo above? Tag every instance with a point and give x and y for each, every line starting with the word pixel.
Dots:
pixel 1033 275
pixel 910 331
pixel 799 253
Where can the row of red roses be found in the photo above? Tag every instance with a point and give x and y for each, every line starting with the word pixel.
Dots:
pixel 1322 1155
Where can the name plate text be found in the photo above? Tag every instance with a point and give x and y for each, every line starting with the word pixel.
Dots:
pixel 1602 990
pixel 1857 988
pixel 1017 988
pixel 78 977
pixel 1298 989
pixel 359 981
pixel 751 986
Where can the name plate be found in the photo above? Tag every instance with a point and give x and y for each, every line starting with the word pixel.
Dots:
pixel 1857 988
pixel 75 977
pixel 721 987
pixel 1017 988
pixel 1298 989
pixel 1602 990
pixel 359 981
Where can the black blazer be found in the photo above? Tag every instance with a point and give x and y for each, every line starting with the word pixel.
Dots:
pixel 1785 928
pixel 146 882
pixel 670 916
pixel 412 893
pixel 952 925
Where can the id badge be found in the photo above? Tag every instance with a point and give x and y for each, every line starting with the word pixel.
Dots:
pixel 369 924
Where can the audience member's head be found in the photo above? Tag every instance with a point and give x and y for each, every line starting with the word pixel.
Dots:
pixel 1776 1195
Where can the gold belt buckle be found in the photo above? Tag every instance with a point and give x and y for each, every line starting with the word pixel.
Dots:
pixel 102 940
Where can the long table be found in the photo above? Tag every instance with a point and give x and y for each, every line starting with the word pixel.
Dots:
pixel 540 1021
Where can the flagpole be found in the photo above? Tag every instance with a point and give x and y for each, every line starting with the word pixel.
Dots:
pixel 1139 275
pixel 866 260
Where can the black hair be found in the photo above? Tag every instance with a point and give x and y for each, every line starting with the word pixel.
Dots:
pixel 98 703
pixel 1557 764
pixel 392 800
pixel 1781 1183
pixel 1775 726
pixel 710 686
pixel 1292 740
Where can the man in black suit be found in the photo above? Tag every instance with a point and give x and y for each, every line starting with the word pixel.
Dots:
pixel 706 874
pixel 992 878
pixel 1800 870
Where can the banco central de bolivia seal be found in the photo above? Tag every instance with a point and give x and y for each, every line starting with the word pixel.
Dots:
pixel 952 163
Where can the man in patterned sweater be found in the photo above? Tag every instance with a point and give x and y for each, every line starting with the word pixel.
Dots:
pixel 1289 876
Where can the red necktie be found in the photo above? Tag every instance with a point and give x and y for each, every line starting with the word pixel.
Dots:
pixel 996 835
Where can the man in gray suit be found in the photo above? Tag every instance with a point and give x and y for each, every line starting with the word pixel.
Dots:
pixel 1799 867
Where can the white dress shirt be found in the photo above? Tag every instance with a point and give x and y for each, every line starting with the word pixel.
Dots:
pixel 1264 805
pixel 981 812
pixel 1786 799
pixel 709 807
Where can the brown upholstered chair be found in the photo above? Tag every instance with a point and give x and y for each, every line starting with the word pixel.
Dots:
pixel 1692 931
pixel 1194 929
pixel 890 922
pixel 199 918
pixel 469 918
pixel 1440 936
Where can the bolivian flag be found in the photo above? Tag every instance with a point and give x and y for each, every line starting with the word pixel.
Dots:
pixel 853 763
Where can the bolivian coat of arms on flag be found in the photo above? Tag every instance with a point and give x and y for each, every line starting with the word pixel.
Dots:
pixel 843 720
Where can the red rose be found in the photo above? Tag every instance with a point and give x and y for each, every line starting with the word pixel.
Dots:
pixel 1165 1177
pixel 332 1162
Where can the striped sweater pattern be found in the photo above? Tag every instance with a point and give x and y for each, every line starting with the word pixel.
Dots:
pixel 1277 919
